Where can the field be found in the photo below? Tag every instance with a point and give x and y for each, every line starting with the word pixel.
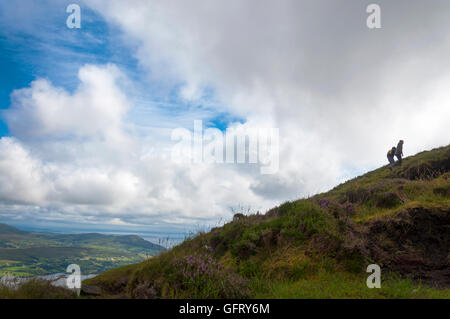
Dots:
pixel 27 254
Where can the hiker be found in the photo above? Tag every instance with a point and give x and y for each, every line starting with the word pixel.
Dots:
pixel 390 156
pixel 399 152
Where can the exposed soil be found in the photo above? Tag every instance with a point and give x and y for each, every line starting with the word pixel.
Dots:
pixel 426 170
pixel 415 243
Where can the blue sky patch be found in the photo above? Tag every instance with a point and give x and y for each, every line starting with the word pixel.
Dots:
pixel 44 47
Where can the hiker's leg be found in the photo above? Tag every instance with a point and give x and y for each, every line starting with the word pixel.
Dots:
pixel 391 162
pixel 399 162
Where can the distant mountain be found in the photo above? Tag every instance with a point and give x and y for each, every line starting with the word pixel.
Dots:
pixel 100 239
pixel 24 253
pixel 6 229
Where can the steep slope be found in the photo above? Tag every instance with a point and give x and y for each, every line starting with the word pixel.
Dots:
pixel 317 247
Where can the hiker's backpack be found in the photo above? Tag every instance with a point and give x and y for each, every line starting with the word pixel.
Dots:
pixel 392 151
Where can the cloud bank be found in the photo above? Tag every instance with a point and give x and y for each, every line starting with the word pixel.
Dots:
pixel 340 93
pixel 76 154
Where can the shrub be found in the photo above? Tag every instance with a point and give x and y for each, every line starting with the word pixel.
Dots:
pixel 215 240
pixel 249 268
pixel 344 209
pixel 200 276
pixel 352 259
pixel 358 195
pixel 244 249
pixel 145 291
pixel 286 208
pixel 303 270
pixel 442 191
pixel 387 200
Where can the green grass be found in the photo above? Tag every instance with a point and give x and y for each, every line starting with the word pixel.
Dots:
pixel 347 285
pixel 36 289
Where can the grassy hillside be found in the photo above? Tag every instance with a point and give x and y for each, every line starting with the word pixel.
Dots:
pixel 317 247
pixel 29 254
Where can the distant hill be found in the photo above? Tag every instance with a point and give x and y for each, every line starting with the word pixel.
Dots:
pixel 24 253
pixel 317 247
pixel 6 229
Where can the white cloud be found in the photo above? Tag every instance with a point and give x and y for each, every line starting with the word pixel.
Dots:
pixel 340 93
pixel 77 157
pixel 21 179
pixel 95 110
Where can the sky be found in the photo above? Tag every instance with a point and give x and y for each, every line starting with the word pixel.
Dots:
pixel 87 115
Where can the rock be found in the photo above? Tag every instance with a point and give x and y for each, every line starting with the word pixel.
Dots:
pixel 145 291
pixel 90 290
